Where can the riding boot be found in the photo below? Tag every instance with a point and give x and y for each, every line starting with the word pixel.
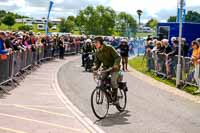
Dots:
pixel 123 68
pixel 126 66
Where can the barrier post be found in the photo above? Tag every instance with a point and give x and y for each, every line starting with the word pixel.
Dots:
pixel 12 70
pixel 178 75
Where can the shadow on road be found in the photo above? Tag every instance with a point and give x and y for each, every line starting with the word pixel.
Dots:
pixel 115 119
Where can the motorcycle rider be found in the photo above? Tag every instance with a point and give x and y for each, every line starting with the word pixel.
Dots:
pixel 87 48
pixel 107 56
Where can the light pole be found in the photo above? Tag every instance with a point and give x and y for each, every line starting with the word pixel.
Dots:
pixel 178 74
pixel 139 12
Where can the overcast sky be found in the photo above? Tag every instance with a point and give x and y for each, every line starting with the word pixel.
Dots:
pixel 160 9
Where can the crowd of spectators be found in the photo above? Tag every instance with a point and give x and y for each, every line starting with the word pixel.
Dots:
pixel 162 56
pixel 22 41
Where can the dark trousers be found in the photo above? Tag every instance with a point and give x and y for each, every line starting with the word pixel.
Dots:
pixel 62 52
pixel 84 55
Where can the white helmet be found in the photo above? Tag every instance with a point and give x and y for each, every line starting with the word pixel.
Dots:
pixel 124 40
pixel 173 39
pixel 88 41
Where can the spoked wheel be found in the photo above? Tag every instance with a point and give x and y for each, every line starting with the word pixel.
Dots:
pixel 122 100
pixel 99 103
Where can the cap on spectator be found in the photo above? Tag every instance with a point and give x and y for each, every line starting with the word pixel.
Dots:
pixel 173 39
pixel 195 43
pixel 198 40
pixel 183 39
pixel 88 41
pixel 20 33
pixel 20 37
pixel 124 40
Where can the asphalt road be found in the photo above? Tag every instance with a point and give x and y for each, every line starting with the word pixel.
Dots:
pixel 149 109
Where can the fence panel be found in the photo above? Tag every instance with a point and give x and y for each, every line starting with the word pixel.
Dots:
pixel 137 47
pixel 166 66
pixel 21 60
pixel 5 69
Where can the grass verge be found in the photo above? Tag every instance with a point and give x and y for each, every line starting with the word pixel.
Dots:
pixel 139 64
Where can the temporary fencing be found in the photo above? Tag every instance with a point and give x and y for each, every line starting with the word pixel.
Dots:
pixel 137 47
pixel 166 66
pixel 19 61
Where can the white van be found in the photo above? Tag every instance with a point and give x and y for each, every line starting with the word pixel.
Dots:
pixel 54 27
pixel 147 30
pixel 40 26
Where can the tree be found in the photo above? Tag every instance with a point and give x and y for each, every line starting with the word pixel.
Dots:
pixel 106 21
pixel 88 20
pixel 2 13
pixel 126 24
pixel 96 21
pixel 139 12
pixel 172 19
pixel 192 16
pixel 152 23
pixel 25 28
pixel 62 26
pixel 67 25
pixel 8 20
pixel 71 18
pixel 15 15
pixel 50 25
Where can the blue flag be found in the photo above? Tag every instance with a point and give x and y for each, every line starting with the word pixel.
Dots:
pixel 50 7
pixel 179 11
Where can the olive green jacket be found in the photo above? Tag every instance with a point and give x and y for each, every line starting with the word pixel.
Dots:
pixel 107 56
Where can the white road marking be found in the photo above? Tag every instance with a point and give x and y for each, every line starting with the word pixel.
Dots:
pixel 11 130
pixel 34 106
pixel 42 122
pixel 44 111
pixel 79 115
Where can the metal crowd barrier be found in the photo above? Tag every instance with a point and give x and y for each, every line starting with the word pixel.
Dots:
pixel 137 47
pixel 165 66
pixel 70 48
pixel 5 71
pixel 19 61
